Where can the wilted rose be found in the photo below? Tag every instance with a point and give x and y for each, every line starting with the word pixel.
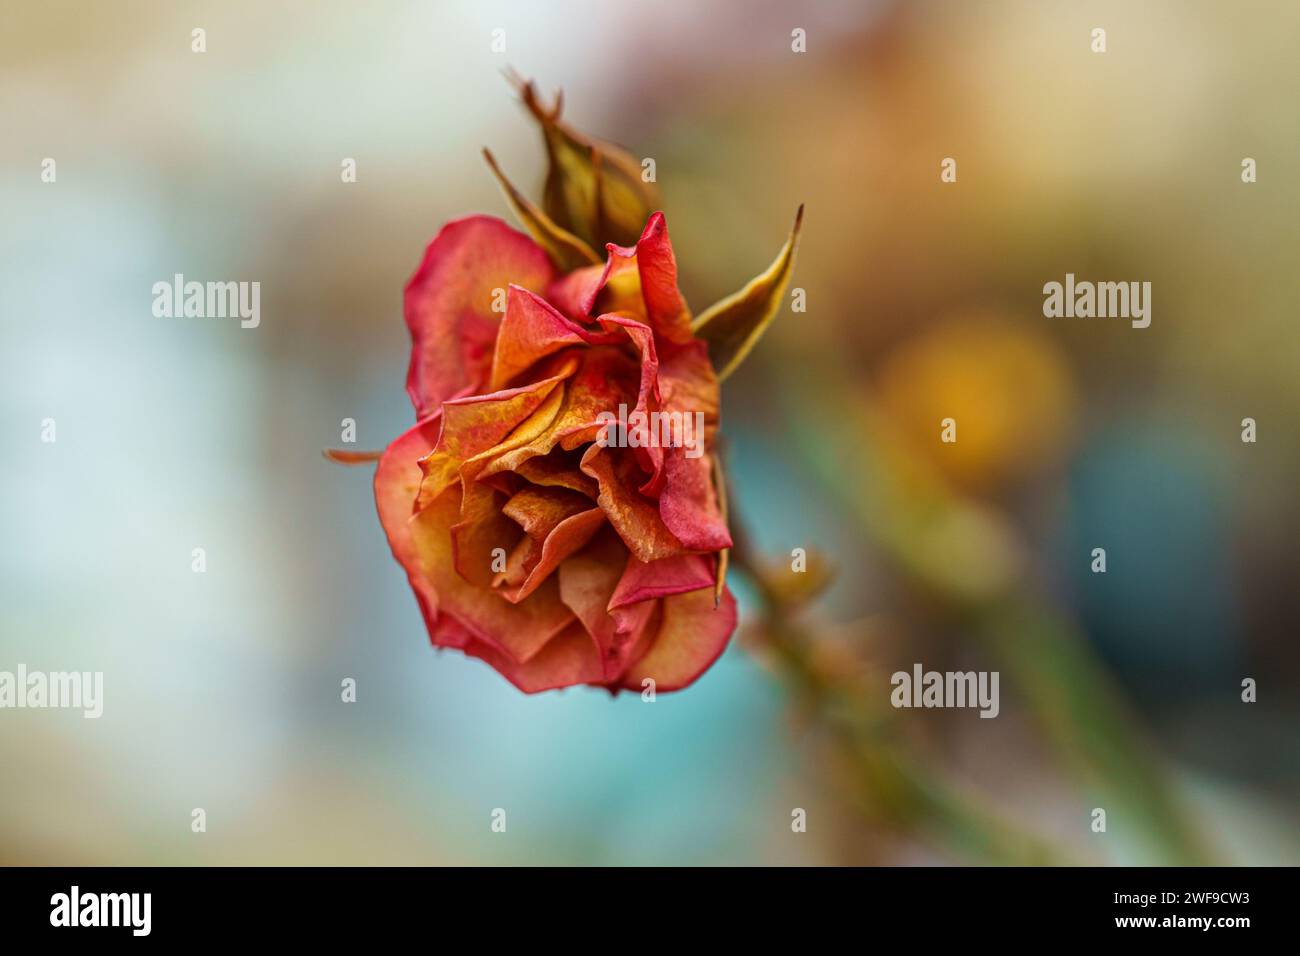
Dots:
pixel 531 541
pixel 529 545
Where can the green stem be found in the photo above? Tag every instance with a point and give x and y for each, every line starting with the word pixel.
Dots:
pixel 966 557
pixel 891 784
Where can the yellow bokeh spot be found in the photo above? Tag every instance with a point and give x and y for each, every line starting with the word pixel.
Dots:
pixel 1007 387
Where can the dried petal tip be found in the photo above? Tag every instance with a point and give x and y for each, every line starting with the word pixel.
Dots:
pixel 723 559
pixel 341 457
pixel 732 326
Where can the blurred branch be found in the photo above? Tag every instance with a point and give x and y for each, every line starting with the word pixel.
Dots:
pixel 892 785
pixel 971 561
pixel 1081 711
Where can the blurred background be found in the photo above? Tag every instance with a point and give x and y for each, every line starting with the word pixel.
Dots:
pixel 222 689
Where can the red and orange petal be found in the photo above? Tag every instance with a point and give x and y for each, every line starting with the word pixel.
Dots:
pixel 531 330
pixel 397 482
pixel 538 558
pixel 568 659
pixel 448 305
pixel 688 504
pixel 692 635
pixel 640 279
pixel 646 581
pixel 635 517
pixel 479 425
pixel 587 583
pixel 517 630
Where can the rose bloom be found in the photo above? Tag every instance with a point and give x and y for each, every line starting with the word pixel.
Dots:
pixel 527 543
